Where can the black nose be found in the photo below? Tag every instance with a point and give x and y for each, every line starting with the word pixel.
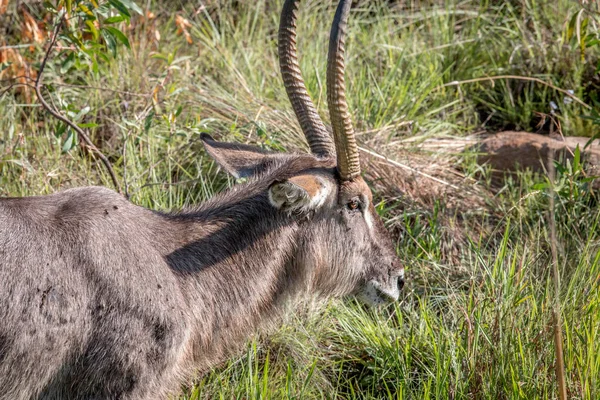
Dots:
pixel 400 282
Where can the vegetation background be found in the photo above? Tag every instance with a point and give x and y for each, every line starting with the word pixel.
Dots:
pixel 145 79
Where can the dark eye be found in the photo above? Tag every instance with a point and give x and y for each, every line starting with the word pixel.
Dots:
pixel 353 205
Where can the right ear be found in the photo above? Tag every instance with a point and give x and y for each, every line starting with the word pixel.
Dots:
pixel 240 160
pixel 304 192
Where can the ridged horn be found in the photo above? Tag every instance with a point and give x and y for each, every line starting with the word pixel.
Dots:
pixel 345 143
pixel 319 139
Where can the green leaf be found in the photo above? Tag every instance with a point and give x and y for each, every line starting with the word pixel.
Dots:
pixel 179 60
pixel 92 29
pixel 119 36
pixel 67 63
pixel 591 41
pixel 576 158
pixel 70 142
pixel 159 56
pixel 559 167
pixel 111 42
pixel 148 121
pixel 101 54
pixel 21 163
pixel 88 125
pixel 86 10
pixel 104 9
pixel 49 6
pixel 60 129
pixel 81 113
pixel 70 38
pixel 592 139
pixel 114 20
pixel 572 25
pixel 95 68
pixel 132 6
pixel 121 7
pixel 178 111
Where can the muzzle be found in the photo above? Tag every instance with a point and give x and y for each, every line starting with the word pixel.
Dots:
pixel 376 293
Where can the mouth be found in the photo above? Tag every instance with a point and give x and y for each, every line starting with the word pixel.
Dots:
pixel 374 293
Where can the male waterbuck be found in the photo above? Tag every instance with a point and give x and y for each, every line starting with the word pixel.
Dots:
pixel 102 299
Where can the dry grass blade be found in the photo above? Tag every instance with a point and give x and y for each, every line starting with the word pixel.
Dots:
pixel 521 78
pixel 182 28
pixel 406 167
pixel 30 29
pixel 556 319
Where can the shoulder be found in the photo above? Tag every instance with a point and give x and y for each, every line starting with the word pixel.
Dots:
pixel 98 193
pixel 92 202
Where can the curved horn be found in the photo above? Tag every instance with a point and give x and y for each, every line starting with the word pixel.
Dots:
pixel 343 133
pixel 316 134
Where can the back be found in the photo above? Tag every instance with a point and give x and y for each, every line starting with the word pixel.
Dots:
pixel 78 269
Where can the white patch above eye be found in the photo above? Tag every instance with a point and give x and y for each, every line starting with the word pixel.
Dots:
pixel 367 214
pixel 368 218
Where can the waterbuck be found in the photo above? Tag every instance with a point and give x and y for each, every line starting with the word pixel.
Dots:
pixel 102 299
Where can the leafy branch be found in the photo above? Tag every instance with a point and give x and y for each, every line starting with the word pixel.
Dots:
pixel 82 135
pixel 83 30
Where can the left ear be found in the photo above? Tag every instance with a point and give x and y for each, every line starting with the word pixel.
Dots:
pixel 240 160
pixel 300 193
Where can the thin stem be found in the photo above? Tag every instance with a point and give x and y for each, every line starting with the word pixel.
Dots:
pixel 556 319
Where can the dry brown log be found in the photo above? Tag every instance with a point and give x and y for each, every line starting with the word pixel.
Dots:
pixel 509 151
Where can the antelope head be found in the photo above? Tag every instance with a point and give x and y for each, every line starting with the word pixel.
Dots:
pixel 342 245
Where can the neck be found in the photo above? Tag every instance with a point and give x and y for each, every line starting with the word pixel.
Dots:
pixel 233 258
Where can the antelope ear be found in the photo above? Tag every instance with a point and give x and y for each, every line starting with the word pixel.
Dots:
pixel 299 193
pixel 240 160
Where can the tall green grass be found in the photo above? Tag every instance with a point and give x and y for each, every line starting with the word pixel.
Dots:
pixel 476 324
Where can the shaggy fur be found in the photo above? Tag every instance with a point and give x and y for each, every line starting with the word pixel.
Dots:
pixel 103 299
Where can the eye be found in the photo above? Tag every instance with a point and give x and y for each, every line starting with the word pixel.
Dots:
pixel 353 205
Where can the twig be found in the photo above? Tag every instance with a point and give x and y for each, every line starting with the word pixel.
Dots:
pixel 558 342
pixel 406 167
pixel 520 78
pixel 82 135
pixel 15 78
pixel 14 85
